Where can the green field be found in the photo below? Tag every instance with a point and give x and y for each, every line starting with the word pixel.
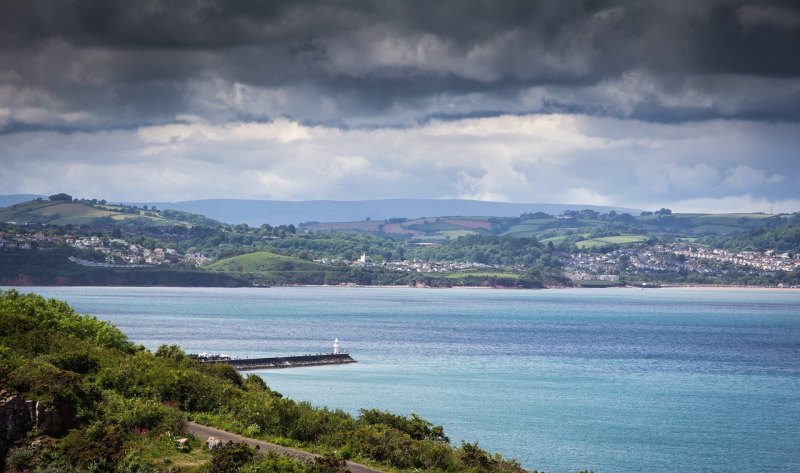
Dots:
pixel 264 262
pixel 558 239
pixel 718 229
pixel 63 213
pixel 554 240
pixel 537 221
pixel 614 240
pixel 445 235
pixel 525 229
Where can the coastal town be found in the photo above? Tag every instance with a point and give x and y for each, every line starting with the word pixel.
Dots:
pixel 646 261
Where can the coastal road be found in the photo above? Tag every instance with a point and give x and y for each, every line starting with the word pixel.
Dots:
pixel 203 432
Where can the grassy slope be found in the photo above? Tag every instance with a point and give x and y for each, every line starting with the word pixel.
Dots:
pixel 429 229
pixel 613 240
pixel 264 262
pixel 427 226
pixel 61 213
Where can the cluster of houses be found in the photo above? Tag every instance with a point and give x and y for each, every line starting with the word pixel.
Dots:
pixel 118 252
pixel 769 260
pixel 416 265
pixel 674 257
pixel 26 242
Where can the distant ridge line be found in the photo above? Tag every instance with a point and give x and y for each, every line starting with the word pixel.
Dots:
pixel 276 212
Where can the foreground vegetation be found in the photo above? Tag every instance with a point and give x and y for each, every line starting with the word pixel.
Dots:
pixel 121 409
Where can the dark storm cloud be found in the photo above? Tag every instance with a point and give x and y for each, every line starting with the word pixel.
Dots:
pixel 91 63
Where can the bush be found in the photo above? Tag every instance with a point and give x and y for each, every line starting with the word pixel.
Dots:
pixel 47 383
pixel 79 362
pixel 98 447
pixel 223 371
pixel 230 457
pixel 19 459
pixel 134 463
pixel 416 427
pixel 58 317
pixel 170 352
pixel 385 444
pixel 144 375
pixel 8 361
pixel 142 414
pixel 471 456
pixel 254 382
pixel 272 462
pixel 328 464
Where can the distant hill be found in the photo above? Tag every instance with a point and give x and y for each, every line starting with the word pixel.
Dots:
pixel 79 212
pixel 275 212
pixel 264 262
pixel 587 228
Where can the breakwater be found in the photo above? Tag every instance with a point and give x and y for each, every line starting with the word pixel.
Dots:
pixel 287 361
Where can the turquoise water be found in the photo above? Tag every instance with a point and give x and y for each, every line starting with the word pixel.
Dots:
pixel 610 380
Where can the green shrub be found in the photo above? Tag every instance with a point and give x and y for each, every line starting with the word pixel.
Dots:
pixel 142 414
pixel 145 375
pixel 230 457
pixel 385 444
pixel 170 352
pixel 254 382
pixel 8 361
pixel 12 323
pixel 471 456
pixel 272 462
pixel 19 459
pixel 275 416
pixel 328 464
pixel 45 382
pixel 80 362
pixel 437 456
pixel 321 425
pixel 59 317
pixel 132 462
pixel 416 427
pixel 98 447
pixel 223 371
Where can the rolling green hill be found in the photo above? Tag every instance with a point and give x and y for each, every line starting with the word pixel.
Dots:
pixel 264 262
pixel 546 227
pixel 65 212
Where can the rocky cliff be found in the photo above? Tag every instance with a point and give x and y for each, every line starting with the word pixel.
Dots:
pixel 18 416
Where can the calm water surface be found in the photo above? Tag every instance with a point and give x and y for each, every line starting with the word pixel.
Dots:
pixel 610 380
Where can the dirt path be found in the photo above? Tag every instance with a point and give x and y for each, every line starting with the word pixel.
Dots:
pixel 204 432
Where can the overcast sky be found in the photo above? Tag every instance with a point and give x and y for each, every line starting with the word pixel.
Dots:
pixel 686 104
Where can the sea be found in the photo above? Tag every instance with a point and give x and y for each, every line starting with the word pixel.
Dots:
pixel 610 380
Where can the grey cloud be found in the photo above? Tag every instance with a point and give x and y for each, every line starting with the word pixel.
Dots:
pixel 123 63
pixel 554 158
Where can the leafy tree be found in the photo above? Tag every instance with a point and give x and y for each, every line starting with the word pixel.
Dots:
pixel 171 352
pixel 61 197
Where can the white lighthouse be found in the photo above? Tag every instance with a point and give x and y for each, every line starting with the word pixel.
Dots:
pixel 336 346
